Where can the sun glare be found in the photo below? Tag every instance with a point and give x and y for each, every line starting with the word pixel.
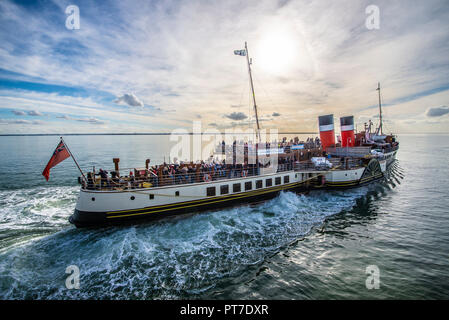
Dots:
pixel 277 51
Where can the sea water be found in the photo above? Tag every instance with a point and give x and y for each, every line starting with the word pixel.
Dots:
pixel 315 246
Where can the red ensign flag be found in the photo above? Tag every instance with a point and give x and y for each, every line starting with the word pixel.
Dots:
pixel 59 155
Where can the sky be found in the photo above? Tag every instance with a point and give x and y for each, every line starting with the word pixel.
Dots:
pixel 158 66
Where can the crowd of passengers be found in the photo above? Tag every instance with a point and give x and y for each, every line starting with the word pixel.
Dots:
pixel 168 174
pixel 181 173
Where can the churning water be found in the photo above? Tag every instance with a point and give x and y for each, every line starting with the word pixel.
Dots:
pixel 292 247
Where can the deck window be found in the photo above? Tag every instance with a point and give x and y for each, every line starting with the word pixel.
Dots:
pixel 259 184
pixel 248 185
pixel 210 191
pixel 177 193
pixel 151 196
pixel 236 187
pixel 277 180
pixel 286 179
pixel 269 182
pixel 224 189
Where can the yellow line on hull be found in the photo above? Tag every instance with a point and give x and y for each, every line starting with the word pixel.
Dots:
pixel 206 202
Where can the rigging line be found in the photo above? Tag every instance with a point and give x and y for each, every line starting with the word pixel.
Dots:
pixel 383 113
pixel 266 92
pixel 244 88
pixel 249 110
pixel 243 91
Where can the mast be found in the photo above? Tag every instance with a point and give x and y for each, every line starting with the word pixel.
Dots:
pixel 380 110
pixel 252 90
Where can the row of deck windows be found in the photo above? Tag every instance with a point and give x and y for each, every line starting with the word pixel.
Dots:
pixel 236 187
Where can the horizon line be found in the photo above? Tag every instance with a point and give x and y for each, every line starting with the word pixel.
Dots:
pixel 162 134
pixel 129 134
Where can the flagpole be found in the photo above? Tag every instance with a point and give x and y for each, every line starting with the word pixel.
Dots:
pixel 82 173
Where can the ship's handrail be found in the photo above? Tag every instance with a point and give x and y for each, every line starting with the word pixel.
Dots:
pixel 340 163
pixel 205 175
pixel 391 149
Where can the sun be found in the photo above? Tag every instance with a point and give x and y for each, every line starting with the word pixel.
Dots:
pixel 277 51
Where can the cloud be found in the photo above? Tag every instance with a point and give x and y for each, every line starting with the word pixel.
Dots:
pixel 91 120
pixel 156 50
pixel 437 111
pixel 20 121
pixel 130 99
pixel 35 113
pixel 66 117
pixel 276 114
pixel 87 120
pixel 236 116
pixel 18 113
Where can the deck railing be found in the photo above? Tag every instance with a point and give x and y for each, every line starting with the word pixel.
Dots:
pixel 204 175
pixel 167 179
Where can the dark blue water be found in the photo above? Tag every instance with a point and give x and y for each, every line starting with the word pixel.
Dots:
pixel 292 247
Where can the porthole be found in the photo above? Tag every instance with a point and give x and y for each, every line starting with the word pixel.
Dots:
pixel 132 197
pixel 93 199
pixel 177 193
pixel 151 196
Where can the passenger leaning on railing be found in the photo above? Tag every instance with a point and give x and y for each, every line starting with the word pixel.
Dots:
pixel 103 178
pixel 131 181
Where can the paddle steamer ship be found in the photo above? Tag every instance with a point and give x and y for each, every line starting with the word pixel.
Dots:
pixel 267 169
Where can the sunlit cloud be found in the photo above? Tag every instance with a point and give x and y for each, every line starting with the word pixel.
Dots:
pixel 35 113
pixel 130 100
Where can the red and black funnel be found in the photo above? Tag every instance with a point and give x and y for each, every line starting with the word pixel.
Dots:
pixel 347 131
pixel 327 133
